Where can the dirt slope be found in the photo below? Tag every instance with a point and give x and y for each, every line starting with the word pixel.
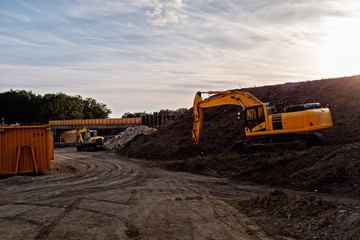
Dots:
pixel 319 169
pixel 340 94
pixel 332 168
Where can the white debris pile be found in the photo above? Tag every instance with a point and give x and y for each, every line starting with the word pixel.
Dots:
pixel 122 138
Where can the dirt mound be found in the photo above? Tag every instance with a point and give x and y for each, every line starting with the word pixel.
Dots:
pixel 282 205
pixel 124 137
pixel 304 216
pixel 169 142
pixel 333 168
pixel 221 129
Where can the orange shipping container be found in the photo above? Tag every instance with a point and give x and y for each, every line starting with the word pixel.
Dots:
pixel 25 149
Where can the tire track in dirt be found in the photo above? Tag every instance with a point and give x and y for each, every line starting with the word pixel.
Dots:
pixel 100 175
pixel 92 174
pixel 97 195
pixel 45 231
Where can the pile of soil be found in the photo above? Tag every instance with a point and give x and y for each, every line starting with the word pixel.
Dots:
pixel 280 204
pixel 171 141
pixel 334 167
pixel 304 216
pixel 221 129
pixel 319 169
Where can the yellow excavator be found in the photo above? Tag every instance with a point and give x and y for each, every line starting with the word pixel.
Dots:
pixel 89 141
pixel 266 128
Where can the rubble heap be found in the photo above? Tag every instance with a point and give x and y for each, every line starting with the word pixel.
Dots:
pixel 122 138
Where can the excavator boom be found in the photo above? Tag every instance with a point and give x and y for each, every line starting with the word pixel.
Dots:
pixel 234 97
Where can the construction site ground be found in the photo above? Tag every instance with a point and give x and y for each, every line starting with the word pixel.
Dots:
pixel 181 191
pixel 99 195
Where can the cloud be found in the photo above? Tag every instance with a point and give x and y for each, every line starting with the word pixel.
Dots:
pixel 16 16
pixel 95 8
pixel 166 12
pixel 145 54
pixel 161 17
pixel 6 40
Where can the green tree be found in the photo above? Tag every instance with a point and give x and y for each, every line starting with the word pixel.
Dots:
pixel 162 111
pixel 60 106
pixel 93 109
pixel 181 110
pixel 166 111
pixel 171 112
pixel 19 106
pixel 133 115
pixel 26 107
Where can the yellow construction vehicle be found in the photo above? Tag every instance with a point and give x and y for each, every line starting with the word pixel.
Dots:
pixel 89 140
pixel 267 128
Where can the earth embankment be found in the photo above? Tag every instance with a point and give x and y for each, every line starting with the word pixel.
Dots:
pixel 332 168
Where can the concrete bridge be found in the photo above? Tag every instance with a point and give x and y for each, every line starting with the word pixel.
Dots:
pixel 105 127
pixel 95 123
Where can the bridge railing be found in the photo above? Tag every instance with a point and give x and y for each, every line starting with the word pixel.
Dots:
pixel 86 122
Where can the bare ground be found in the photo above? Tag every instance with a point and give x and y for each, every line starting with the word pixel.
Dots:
pixel 100 195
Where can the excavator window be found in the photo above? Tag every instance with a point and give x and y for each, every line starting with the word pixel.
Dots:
pixel 260 112
pixel 251 114
pixel 270 108
pixel 255 113
pixel 254 116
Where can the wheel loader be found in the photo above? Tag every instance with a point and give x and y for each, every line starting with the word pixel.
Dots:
pixel 266 129
pixel 89 141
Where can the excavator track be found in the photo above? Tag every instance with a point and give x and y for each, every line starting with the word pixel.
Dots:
pixel 296 141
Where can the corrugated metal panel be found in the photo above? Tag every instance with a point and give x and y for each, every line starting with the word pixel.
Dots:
pixel 17 144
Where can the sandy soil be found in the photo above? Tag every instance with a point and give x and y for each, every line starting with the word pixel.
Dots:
pixel 100 195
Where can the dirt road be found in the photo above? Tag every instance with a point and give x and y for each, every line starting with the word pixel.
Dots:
pixel 101 196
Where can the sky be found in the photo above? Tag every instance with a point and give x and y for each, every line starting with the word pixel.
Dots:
pixel 148 55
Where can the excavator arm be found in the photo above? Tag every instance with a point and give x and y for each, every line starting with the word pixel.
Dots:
pixel 234 97
pixel 80 132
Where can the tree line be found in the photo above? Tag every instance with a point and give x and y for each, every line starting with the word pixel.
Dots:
pixel 162 111
pixel 20 106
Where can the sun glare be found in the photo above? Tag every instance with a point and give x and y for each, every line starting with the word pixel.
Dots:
pixel 340 54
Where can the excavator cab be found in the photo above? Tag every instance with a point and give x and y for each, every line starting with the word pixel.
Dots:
pixel 255 118
pixel 90 136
